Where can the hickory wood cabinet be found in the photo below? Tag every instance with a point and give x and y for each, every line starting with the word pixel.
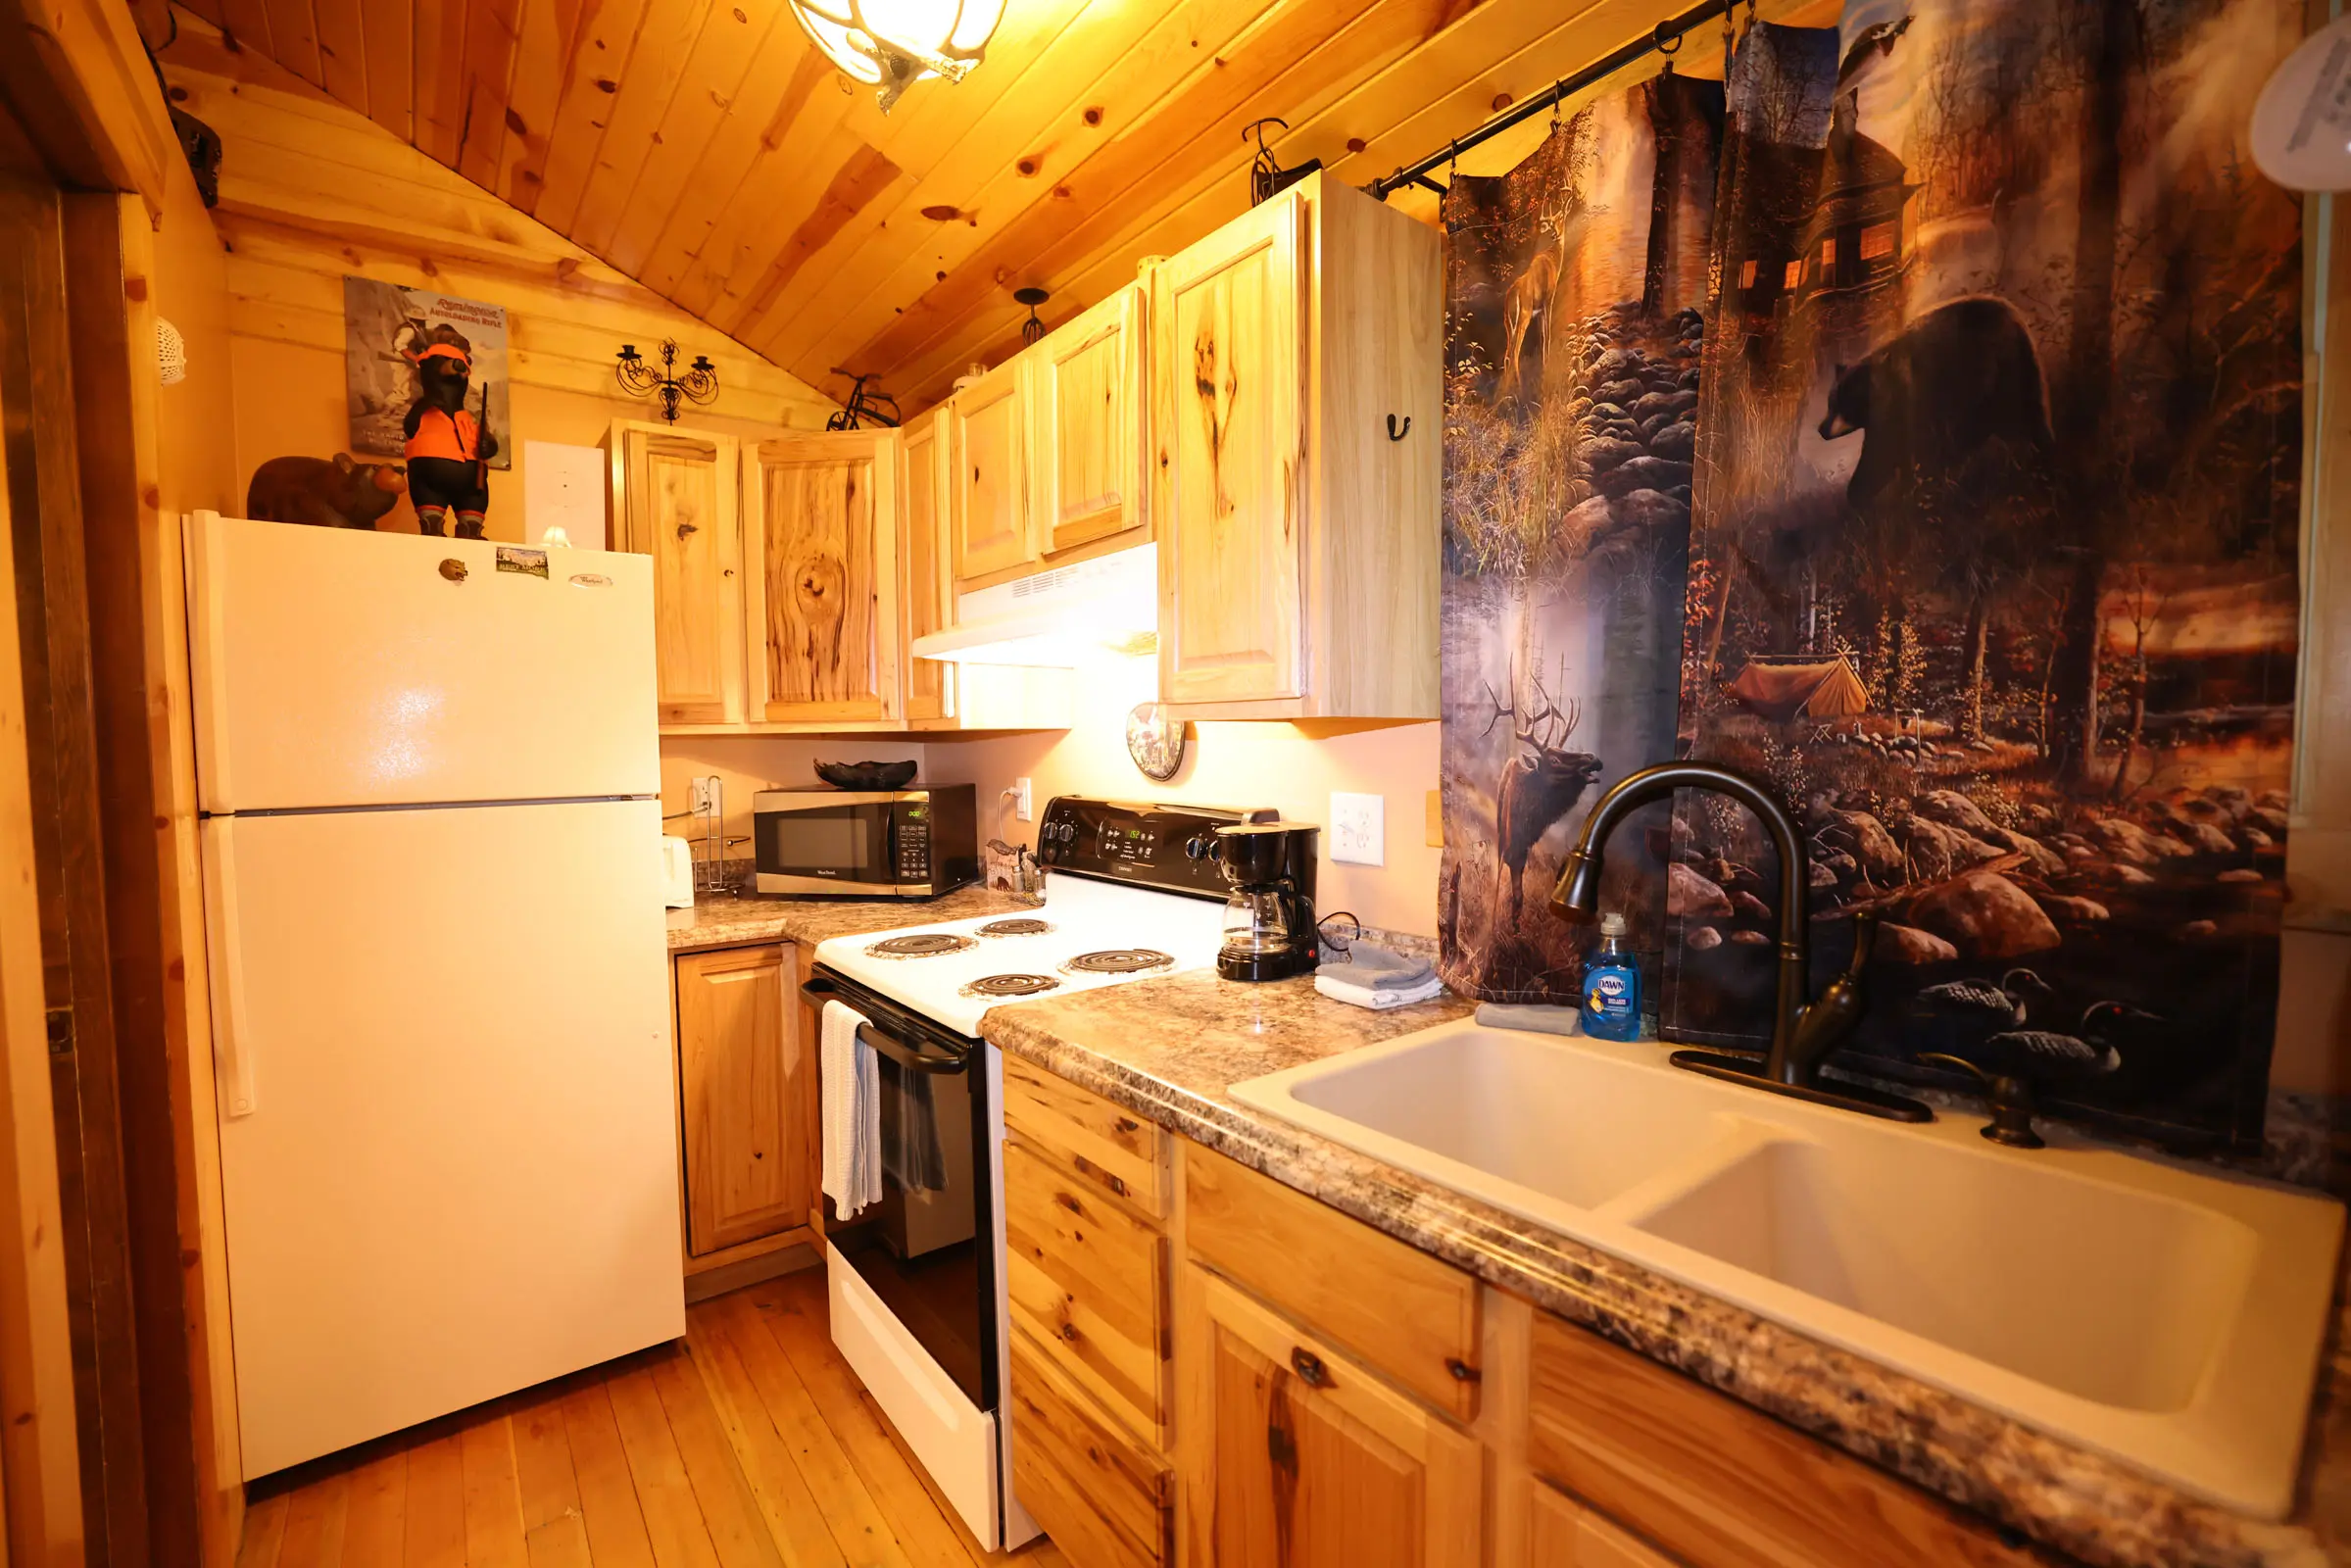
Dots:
pixel 821 590
pixel 674 498
pixel 747 1102
pixel 1214 1369
pixel 1296 414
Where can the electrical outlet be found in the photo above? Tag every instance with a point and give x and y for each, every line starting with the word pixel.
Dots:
pixel 1022 808
pixel 1360 828
pixel 706 794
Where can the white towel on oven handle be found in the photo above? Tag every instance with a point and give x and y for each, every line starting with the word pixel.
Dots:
pixel 852 1105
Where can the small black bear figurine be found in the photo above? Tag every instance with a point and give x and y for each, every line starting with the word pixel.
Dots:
pixel 448 447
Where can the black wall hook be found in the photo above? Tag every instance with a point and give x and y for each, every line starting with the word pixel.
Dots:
pixel 1394 434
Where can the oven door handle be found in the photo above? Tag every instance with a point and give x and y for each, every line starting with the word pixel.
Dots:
pixel 916 1061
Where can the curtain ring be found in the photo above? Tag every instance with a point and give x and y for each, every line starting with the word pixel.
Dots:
pixel 1667 39
pixel 1558 92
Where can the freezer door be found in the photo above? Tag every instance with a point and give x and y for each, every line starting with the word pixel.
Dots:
pixel 343 668
pixel 459 1175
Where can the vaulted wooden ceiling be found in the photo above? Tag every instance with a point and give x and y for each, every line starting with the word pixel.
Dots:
pixel 705 148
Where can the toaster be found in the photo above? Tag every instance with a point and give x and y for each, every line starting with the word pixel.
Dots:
pixel 677 872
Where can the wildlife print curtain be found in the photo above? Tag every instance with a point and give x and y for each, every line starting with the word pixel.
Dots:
pixel 1572 352
pixel 1993 572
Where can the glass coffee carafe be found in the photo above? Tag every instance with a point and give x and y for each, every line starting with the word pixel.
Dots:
pixel 1269 921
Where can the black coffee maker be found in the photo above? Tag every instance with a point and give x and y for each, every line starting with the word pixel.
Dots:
pixel 1269 929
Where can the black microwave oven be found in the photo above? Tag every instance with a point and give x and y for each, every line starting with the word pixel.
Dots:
pixel 877 843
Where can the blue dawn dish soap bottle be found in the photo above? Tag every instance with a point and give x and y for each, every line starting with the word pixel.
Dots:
pixel 1613 986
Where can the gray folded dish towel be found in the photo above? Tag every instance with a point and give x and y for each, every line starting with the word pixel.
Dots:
pixel 1372 969
pixel 1527 1015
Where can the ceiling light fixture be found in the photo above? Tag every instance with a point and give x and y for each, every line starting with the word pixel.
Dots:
pixel 894 43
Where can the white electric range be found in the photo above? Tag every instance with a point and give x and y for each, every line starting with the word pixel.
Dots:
pixel 917 1300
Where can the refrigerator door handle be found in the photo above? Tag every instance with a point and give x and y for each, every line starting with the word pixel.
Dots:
pixel 232 1043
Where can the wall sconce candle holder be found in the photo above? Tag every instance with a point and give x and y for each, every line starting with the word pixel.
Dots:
pixel 636 375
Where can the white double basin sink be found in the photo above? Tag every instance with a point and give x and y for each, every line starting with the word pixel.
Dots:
pixel 2169 1319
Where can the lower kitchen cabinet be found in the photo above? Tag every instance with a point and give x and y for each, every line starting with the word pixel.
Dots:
pixel 747 1096
pixel 1341 1399
pixel 1296 1455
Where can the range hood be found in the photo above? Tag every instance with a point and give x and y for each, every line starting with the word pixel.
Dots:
pixel 1061 618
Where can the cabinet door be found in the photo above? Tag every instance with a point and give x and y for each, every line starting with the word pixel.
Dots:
pixel 820 531
pixel 929 594
pixel 1563 1534
pixel 1228 371
pixel 1293 1455
pixel 1086 398
pixel 745 1077
pixel 987 428
pixel 677 505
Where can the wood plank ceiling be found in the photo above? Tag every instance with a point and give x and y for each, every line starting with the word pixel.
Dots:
pixel 705 148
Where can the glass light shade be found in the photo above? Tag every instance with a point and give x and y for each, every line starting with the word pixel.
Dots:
pixel 894 43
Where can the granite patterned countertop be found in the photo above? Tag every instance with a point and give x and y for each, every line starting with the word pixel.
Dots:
pixel 1169 1048
pixel 731 923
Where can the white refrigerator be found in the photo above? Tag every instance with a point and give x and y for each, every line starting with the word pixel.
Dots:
pixel 431 827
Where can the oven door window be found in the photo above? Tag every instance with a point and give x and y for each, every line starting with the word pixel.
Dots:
pixel 922 1251
pixel 838 843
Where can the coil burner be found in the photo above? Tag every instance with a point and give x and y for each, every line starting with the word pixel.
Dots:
pixel 1119 961
pixel 920 945
pixel 1021 926
pixel 1011 984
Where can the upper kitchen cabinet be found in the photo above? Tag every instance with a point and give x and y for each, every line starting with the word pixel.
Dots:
pixel 930 600
pixel 1087 400
pixel 987 500
pixel 673 499
pixel 822 577
pixel 1297 410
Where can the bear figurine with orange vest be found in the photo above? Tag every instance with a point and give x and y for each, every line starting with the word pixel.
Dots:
pixel 449 449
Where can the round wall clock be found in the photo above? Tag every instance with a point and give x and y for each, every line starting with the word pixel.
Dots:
pixel 1154 741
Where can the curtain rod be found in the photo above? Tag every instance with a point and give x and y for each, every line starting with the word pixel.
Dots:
pixel 1664 38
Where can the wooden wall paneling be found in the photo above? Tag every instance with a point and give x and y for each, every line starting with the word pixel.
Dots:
pixel 861 180
pixel 39 1469
pixel 68 871
pixel 387 35
pixel 542 57
pixel 1110 60
pixel 248 21
pixel 821 571
pixel 342 50
pixel 584 117
pixel 773 92
pixel 808 128
pixel 735 35
pixel 440 38
pixel 294 39
pixel 1298 52
pixel 648 86
pixel 492 29
pixel 561 149
pixel 172 1175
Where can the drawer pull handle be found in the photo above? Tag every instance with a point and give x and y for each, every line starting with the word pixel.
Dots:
pixel 1309 1367
pixel 1461 1371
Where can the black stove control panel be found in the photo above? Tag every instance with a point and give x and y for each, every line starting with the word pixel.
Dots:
pixel 1167 847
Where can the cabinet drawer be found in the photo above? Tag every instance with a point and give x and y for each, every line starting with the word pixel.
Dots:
pixel 1414 1319
pixel 1716 1483
pixel 1106 1500
pixel 1088 1281
pixel 1563 1534
pixel 1114 1149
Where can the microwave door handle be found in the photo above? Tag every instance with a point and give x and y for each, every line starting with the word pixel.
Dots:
pixel 918 1062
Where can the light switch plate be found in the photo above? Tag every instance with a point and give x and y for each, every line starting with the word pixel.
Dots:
pixel 1360 828
pixel 1022 808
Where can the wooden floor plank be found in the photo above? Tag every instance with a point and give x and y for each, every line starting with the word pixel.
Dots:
pixel 374 1519
pixel 314 1532
pixel 728 1509
pixel 672 1517
pixel 493 1504
pixel 778 1477
pixel 264 1532
pixel 608 1493
pixel 794 1310
pixel 436 1504
pixel 751 1445
pixel 555 1528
